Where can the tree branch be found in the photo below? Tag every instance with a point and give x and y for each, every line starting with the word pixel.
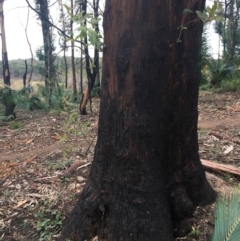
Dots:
pixel 53 25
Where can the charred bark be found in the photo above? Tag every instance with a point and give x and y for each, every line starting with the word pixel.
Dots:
pixel 25 73
pixel 146 177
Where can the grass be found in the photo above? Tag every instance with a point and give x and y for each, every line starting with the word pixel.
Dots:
pixel 17 83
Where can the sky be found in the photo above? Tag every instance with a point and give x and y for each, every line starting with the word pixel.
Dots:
pixel 15 16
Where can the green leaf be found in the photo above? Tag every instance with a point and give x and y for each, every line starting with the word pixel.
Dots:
pixel 213 9
pixel 202 16
pixel 218 18
pixel 187 11
pixel 227 218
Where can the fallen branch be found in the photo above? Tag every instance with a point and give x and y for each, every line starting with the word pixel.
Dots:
pixel 68 172
pixel 75 166
pixel 85 165
pixel 217 167
pixel 224 137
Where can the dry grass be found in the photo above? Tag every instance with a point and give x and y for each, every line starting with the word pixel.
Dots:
pixel 17 83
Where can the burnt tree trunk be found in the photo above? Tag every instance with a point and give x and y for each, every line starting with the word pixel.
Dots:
pixel 6 72
pixel 146 176
pixel 25 73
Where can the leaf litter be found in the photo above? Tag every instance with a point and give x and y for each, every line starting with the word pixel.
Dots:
pixel 43 169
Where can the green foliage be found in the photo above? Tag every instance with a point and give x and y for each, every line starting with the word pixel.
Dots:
pixel 27 99
pixel 227 218
pixel 231 85
pixel 96 90
pixel 61 99
pixel 219 71
pixel 210 13
pixel 87 30
pixel 7 100
pixel 49 223
pixel 14 125
pixel 30 99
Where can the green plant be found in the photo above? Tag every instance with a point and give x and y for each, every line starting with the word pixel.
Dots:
pixel 230 85
pixel 219 71
pixel 64 180
pixel 14 125
pixel 208 15
pixel 25 224
pixel 227 218
pixel 49 223
pixel 7 100
pixel 195 230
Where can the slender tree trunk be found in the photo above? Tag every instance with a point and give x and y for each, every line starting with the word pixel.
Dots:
pixel 6 72
pixel 81 70
pixel 48 45
pixel 25 73
pixel 30 48
pixel 146 176
pixel 91 75
pixel 64 39
pixel 66 67
pixel 231 32
pixel 73 58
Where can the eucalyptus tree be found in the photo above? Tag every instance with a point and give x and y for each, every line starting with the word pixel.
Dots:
pixel 229 30
pixel 90 35
pixel 146 178
pixel 6 72
pixel 46 53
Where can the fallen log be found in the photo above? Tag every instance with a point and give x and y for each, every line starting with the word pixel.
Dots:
pixel 217 167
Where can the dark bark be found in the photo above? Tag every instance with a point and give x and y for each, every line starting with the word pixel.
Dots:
pixel 48 45
pixel 146 177
pixel 6 71
pixel 25 73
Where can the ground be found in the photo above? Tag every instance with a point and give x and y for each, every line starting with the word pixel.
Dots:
pixel 45 160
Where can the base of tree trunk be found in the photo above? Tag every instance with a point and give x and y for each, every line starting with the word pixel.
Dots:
pixel 113 213
pixel 84 101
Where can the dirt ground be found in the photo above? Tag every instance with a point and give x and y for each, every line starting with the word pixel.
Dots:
pixel 45 160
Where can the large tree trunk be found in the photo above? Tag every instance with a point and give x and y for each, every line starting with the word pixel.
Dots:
pixel 146 175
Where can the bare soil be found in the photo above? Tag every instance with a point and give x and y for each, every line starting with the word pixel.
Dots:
pixel 45 159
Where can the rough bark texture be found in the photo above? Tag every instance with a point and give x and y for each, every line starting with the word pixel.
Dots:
pixel 146 177
pixel 25 73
